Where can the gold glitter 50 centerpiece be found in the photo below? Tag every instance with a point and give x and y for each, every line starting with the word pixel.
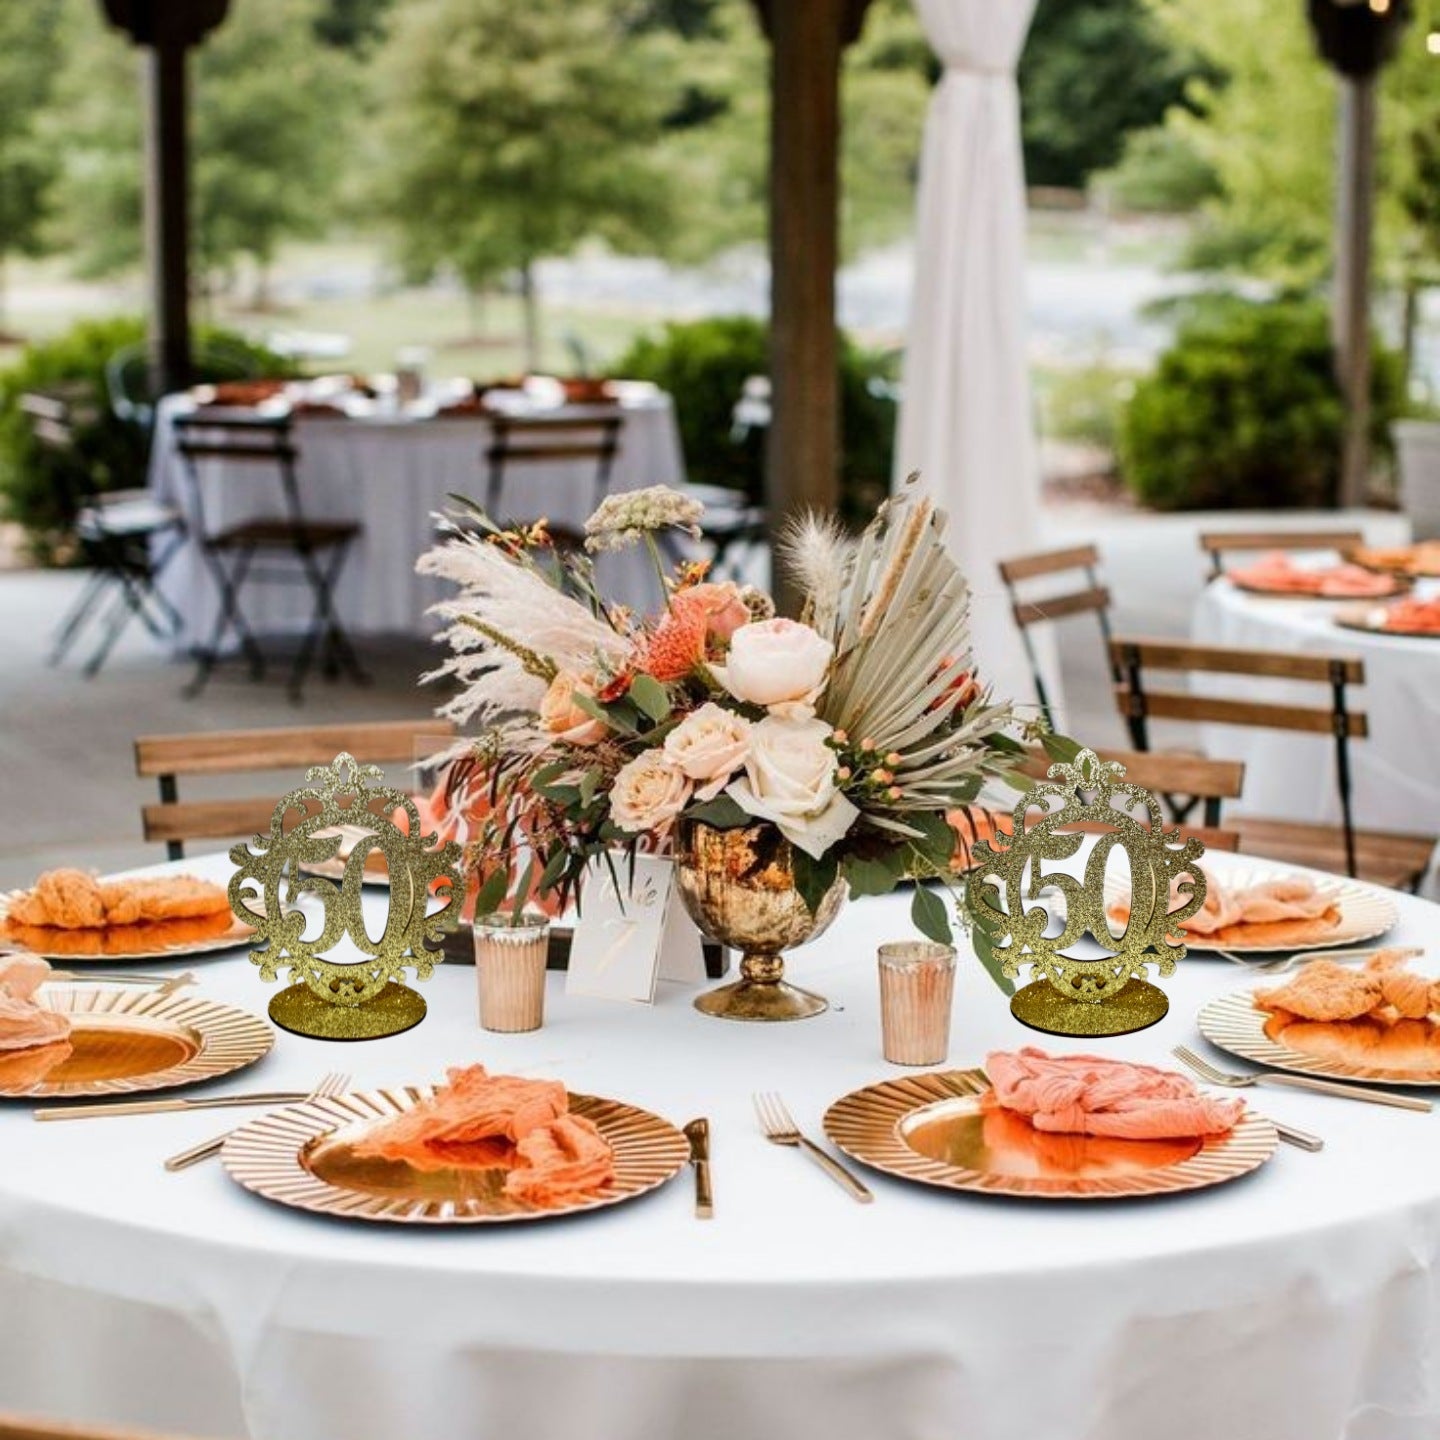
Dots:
pixel 358 1000
pixel 1106 994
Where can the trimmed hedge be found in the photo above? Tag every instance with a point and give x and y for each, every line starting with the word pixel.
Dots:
pixel 1244 411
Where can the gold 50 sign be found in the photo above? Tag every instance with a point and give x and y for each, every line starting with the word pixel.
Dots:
pixel 1084 995
pixel 356 999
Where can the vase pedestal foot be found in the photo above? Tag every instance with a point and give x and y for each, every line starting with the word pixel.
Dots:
pixel 761 994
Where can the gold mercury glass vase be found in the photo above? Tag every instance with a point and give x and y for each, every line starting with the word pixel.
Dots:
pixel 739 887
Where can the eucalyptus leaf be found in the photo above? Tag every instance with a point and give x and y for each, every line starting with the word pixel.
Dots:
pixel 721 812
pixel 491 894
pixel 927 911
pixel 813 878
pixel 877 876
pixel 1061 747
pixel 650 697
pixel 986 954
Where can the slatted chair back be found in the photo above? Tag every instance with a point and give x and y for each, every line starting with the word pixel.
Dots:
pixel 1140 701
pixel 239 440
pixel 166 758
pixel 57 417
pixel 1079 564
pixel 519 440
pixel 1219 543
pixel 1211 782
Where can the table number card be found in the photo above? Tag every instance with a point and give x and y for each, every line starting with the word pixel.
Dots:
pixel 632 936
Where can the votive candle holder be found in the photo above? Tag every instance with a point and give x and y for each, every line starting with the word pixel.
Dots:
pixel 917 986
pixel 510 961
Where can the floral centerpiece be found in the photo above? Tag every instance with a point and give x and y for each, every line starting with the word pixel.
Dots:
pixel 840 751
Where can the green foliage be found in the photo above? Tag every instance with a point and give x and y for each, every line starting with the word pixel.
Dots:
pixel 511 134
pixel 705 363
pixel 35 486
pixel 268 134
pixel 1160 172
pixel 1263 123
pixel 1244 411
pixel 1084 403
pixel 1092 71
pixel 29 51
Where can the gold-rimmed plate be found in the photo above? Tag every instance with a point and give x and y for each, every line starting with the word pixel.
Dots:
pixel 127 1041
pixel 1400 584
pixel 932 1129
pixel 304 1157
pixel 1371 619
pixel 1398 1052
pixel 148 940
pixel 1360 912
pixel 376 871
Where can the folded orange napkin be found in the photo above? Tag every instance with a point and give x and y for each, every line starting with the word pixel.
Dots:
pixel 1414 615
pixel 23 1023
pixel 1261 902
pixel 1278 572
pixel 1090 1095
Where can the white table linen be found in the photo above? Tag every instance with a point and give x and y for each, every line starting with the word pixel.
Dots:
pixel 1302 1303
pixel 1395 770
pixel 392 472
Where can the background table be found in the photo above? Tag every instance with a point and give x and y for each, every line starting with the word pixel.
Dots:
pixel 1396 769
pixel 1301 1303
pixel 392 472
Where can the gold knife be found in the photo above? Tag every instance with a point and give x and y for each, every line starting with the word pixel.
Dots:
pixel 170 1107
pixel 697 1132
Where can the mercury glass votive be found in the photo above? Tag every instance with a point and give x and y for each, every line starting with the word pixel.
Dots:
pixel 917 984
pixel 510 959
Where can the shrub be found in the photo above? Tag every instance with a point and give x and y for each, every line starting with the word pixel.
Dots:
pixel 704 365
pixel 1243 410
pixel 110 453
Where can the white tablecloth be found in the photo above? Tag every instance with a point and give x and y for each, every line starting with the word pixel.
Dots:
pixel 392 473
pixel 1396 770
pixel 1302 1303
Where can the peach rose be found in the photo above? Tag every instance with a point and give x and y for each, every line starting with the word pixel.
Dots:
pixel 725 611
pixel 648 793
pixel 708 747
pixel 777 663
pixel 563 718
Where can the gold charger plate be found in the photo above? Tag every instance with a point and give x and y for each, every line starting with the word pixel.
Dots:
pixel 1406 1052
pixel 151 940
pixel 932 1129
pixel 1366 912
pixel 303 1157
pixel 376 871
pixel 1371 619
pixel 126 1041
pixel 1401 585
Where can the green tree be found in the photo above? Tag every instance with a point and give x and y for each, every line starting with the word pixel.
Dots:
pixel 513 133
pixel 1092 72
pixel 270 104
pixel 29 49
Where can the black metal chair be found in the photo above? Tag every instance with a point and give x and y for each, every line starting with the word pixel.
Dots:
pixel 291 548
pixel 531 439
pixel 125 537
pixel 128 378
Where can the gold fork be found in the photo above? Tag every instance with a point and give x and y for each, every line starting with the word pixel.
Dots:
pixel 333 1084
pixel 780 1129
pixel 1206 1071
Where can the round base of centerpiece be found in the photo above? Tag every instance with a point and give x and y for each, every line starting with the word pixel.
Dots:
pixel 1135 1006
pixel 301 1011
pixel 761 994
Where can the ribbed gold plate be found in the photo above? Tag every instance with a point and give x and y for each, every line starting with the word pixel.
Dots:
pixel 1365 913
pixel 126 1041
pixel 933 1129
pixel 1402 1052
pixel 304 1157
pixel 1371 619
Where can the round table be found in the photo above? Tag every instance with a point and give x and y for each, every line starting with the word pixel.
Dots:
pixel 1396 769
pixel 392 471
pixel 1301 1303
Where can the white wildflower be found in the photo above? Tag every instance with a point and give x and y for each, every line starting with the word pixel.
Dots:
pixel 628 516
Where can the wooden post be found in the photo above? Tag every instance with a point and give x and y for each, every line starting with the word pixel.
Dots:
pixel 1350 313
pixel 167 208
pixel 802 461
pixel 167 30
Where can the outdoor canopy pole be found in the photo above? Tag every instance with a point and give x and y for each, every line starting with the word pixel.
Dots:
pixel 168 30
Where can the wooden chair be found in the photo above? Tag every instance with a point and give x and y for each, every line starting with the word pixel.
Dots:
pixel 1091 598
pixel 233 752
pixel 1387 858
pixel 1218 543
pixel 125 537
pixel 17 1427
pixel 1210 782
pixel 535 439
pixel 310 552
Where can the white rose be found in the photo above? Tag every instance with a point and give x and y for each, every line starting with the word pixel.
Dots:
pixel 777 663
pixel 790 780
pixel 709 746
pixel 648 793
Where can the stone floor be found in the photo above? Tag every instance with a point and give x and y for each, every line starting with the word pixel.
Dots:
pixel 68 792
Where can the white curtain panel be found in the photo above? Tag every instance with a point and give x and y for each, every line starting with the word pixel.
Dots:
pixel 965 416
